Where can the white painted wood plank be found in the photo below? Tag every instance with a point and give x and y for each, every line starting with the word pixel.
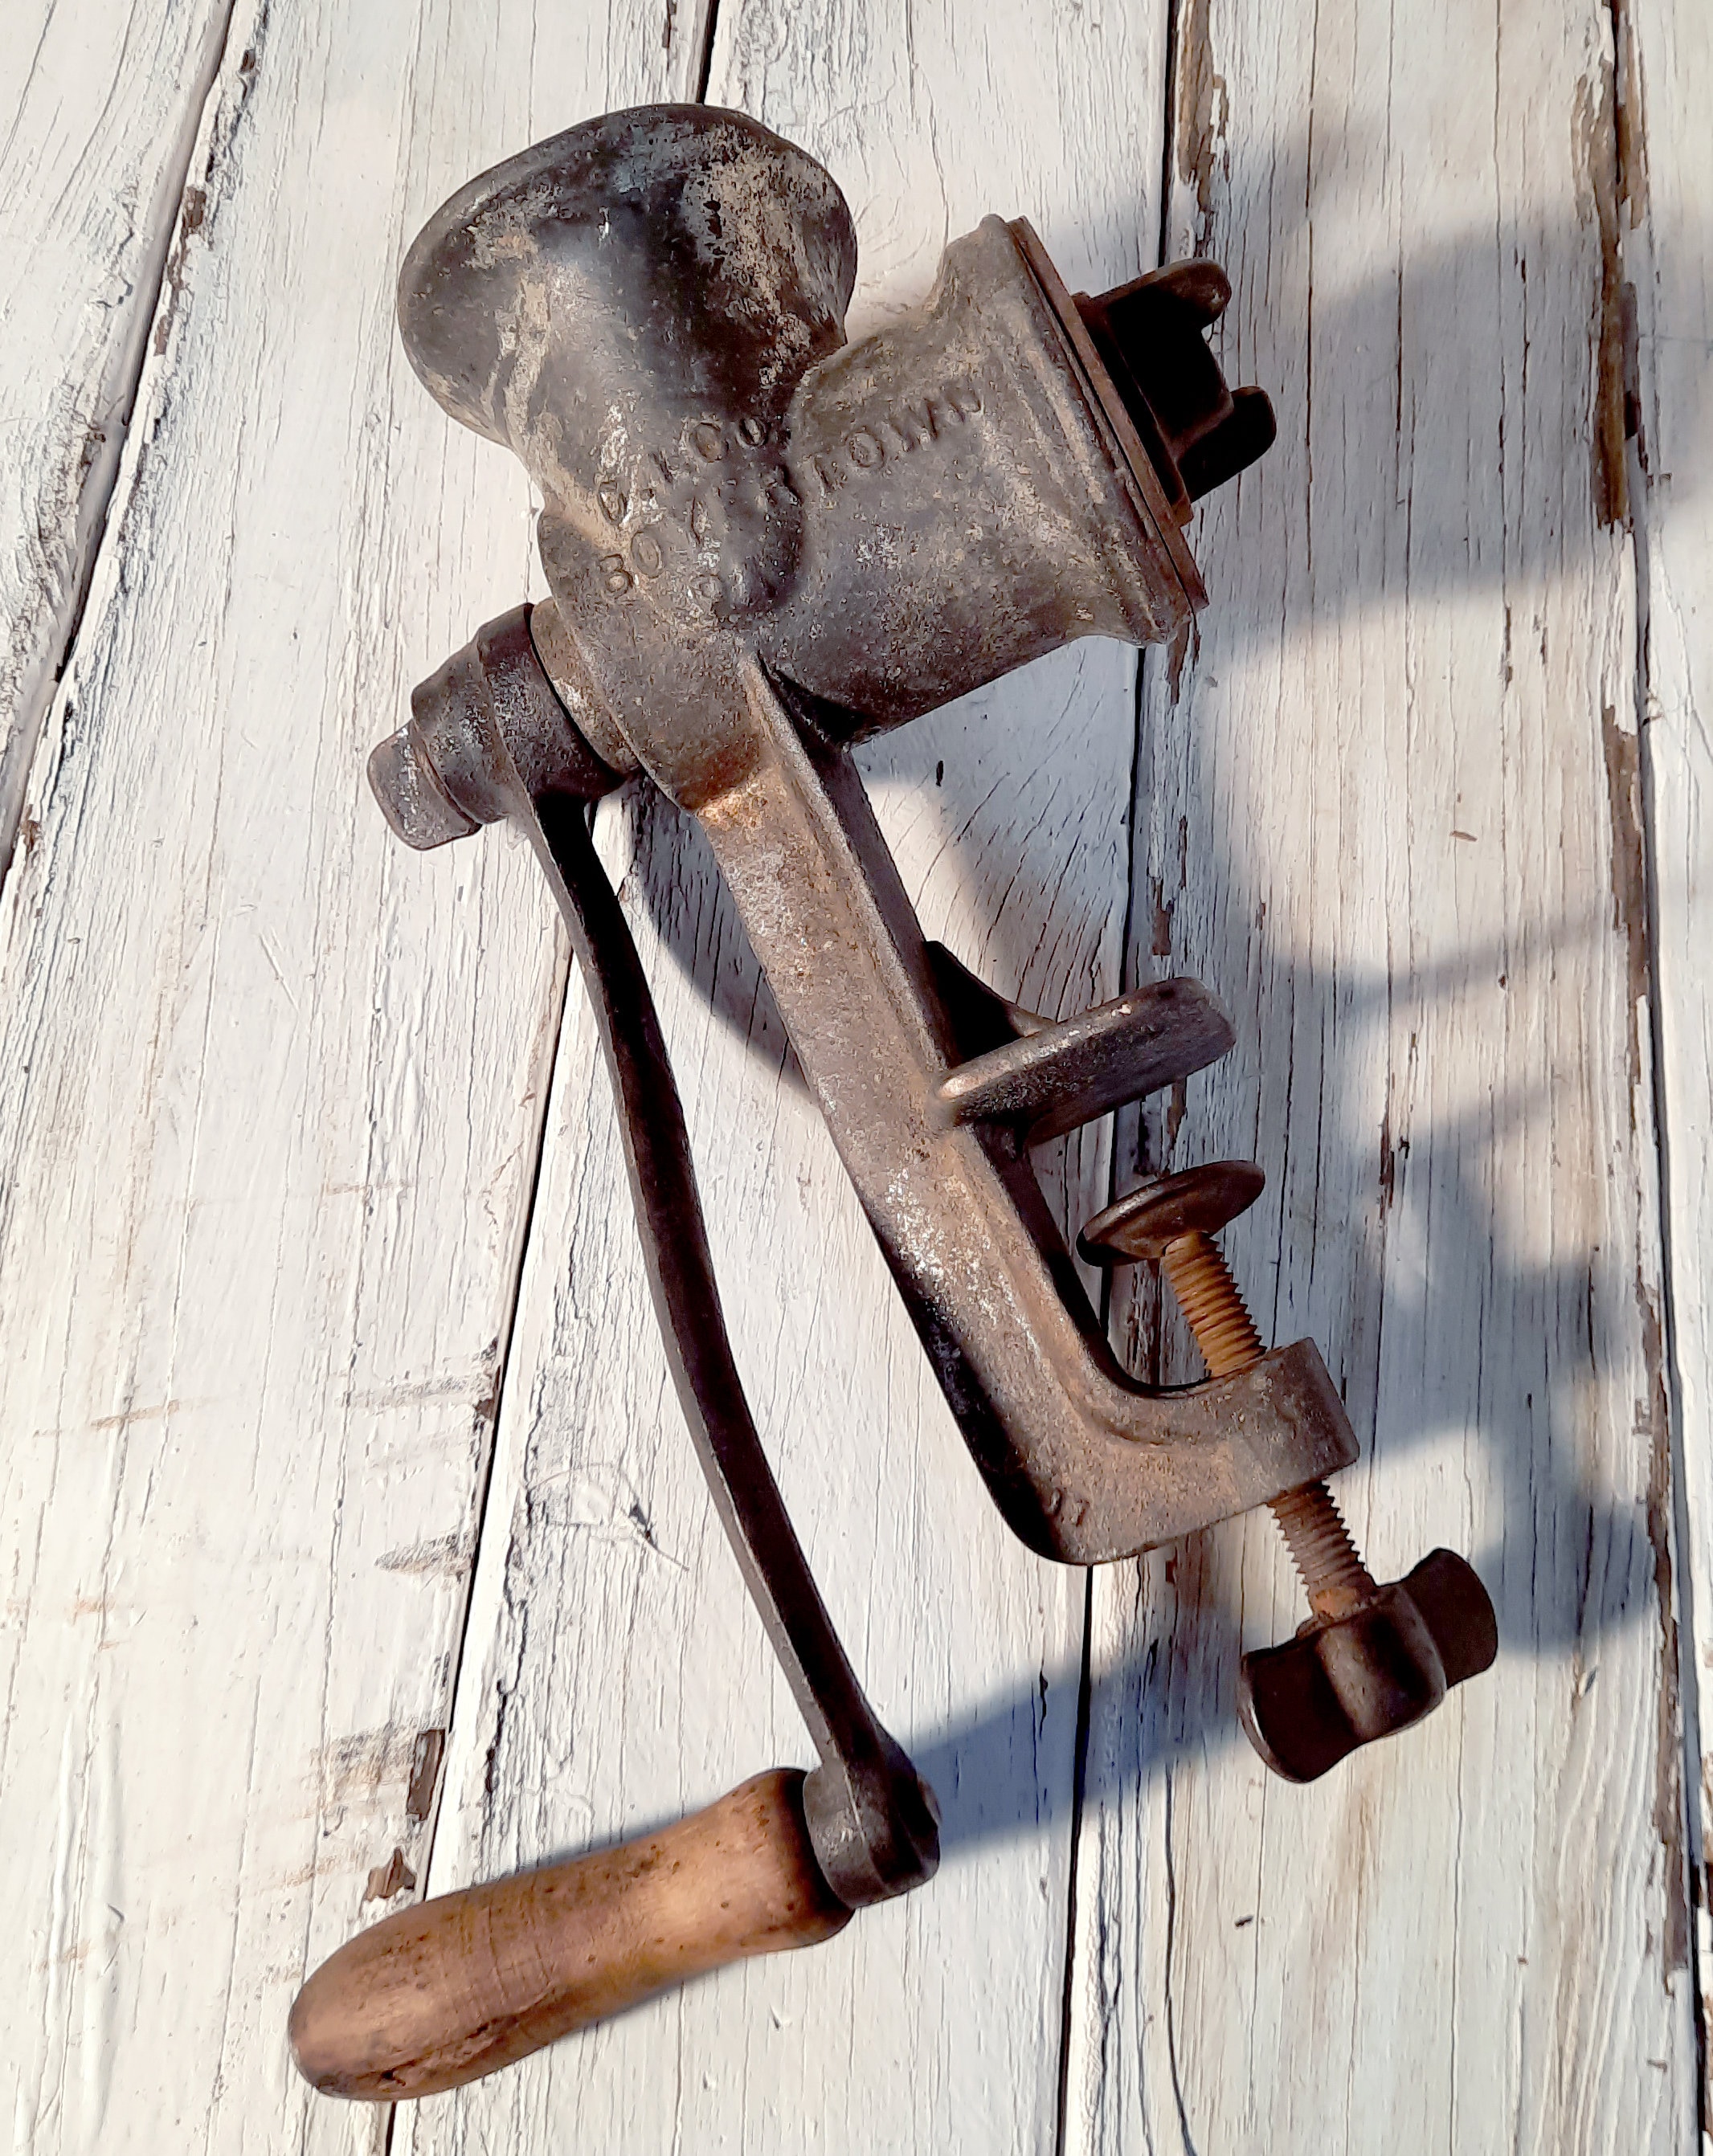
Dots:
pixel 1393 823
pixel 620 1678
pixel 99 100
pixel 270 1098
pixel 1667 76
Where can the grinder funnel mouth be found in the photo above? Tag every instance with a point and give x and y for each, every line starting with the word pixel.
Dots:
pixel 671 250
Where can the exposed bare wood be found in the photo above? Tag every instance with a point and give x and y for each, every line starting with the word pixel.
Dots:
pixel 1664 199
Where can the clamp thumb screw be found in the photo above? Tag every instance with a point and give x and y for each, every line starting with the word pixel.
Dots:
pixel 1371 1659
pixel 1173 1219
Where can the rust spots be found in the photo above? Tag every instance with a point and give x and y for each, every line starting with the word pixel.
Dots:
pixel 1627 131
pixel 1179 654
pixel 424 1774
pixel 1202 109
pixel 395 1876
pixel 1160 943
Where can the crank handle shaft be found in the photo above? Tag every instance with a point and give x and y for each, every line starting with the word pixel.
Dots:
pixel 443 1993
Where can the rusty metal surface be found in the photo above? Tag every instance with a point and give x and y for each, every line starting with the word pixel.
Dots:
pixel 1149 1218
pixel 764 545
pixel 1345 1683
pixel 489 738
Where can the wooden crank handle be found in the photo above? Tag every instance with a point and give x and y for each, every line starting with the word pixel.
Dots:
pixel 449 1990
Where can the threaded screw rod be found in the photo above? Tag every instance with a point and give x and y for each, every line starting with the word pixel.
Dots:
pixel 1334 1576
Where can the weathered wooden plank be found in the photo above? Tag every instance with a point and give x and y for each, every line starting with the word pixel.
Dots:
pixel 271 1097
pixel 620 1678
pixel 1665 77
pixel 99 105
pixel 1393 821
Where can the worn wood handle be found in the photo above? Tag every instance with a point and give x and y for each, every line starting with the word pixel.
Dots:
pixel 447 1991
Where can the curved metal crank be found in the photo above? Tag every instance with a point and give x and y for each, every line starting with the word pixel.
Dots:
pixel 872 1822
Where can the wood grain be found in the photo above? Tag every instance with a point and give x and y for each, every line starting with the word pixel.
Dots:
pixel 617 1675
pixel 436 1995
pixel 273 1094
pixel 1393 821
pixel 99 103
pixel 1665 78
pixel 270 1096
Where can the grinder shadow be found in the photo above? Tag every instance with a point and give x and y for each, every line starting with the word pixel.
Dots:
pixel 1484 1328
pixel 1564 1559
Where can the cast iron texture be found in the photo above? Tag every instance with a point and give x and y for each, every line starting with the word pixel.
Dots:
pixel 764 544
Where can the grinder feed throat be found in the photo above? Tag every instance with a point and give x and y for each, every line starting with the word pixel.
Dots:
pixel 764 545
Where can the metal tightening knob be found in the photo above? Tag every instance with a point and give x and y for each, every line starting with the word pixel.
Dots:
pixel 1371 1659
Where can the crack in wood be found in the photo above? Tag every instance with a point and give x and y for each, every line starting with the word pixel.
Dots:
pixel 69 518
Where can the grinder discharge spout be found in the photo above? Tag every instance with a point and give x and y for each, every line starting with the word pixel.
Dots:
pixel 764 544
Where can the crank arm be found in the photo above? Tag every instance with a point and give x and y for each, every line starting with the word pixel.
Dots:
pixel 870 1821
pixel 447 1991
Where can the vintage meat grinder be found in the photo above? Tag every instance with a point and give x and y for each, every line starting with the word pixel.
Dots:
pixel 764 544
